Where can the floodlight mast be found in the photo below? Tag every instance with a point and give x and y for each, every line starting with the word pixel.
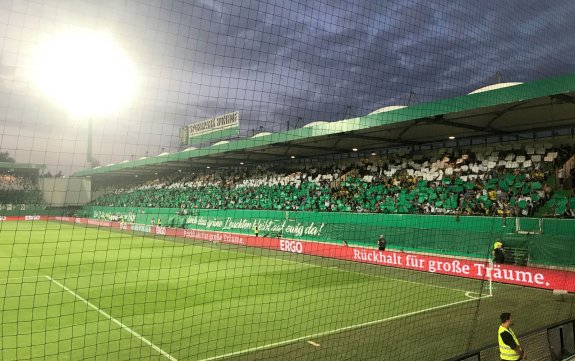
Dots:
pixel 89 150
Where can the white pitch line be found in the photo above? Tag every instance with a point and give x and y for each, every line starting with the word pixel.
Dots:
pixel 313 343
pixel 400 280
pixel 132 332
pixel 331 332
pixel 481 296
pixel 339 269
pixel 20 278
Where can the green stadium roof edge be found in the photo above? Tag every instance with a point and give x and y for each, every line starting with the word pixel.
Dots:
pixel 541 105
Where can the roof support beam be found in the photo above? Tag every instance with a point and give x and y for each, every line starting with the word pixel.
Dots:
pixel 440 119
pixel 503 112
pixel 563 98
pixel 303 146
pixel 377 139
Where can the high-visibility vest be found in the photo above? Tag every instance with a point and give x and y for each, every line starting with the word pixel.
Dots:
pixel 506 352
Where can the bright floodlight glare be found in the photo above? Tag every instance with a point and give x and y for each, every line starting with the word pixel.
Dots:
pixel 84 72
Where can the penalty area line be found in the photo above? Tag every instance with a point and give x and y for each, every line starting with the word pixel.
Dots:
pixel 109 317
pixel 331 332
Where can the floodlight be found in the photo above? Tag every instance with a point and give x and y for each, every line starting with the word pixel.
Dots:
pixel 84 72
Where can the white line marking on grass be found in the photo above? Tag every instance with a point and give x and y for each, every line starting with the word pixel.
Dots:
pixel 400 280
pixel 331 332
pixel 470 294
pixel 370 275
pixel 20 278
pixel 313 343
pixel 132 332
pixel 335 268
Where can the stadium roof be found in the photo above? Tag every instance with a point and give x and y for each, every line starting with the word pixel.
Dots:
pixel 542 105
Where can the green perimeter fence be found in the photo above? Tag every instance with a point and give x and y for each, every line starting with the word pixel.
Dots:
pixel 550 242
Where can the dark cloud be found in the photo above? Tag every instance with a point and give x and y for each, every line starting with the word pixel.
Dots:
pixel 274 61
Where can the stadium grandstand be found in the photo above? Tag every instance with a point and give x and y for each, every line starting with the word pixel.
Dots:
pixel 19 186
pixel 252 181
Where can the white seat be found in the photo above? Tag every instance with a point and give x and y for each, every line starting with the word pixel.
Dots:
pixel 552 155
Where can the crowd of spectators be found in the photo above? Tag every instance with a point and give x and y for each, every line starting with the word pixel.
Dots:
pixel 16 189
pixel 505 184
pixel 562 205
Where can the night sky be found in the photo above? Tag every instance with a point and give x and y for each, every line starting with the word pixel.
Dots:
pixel 279 63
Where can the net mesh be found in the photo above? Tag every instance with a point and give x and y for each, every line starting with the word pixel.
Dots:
pixel 208 180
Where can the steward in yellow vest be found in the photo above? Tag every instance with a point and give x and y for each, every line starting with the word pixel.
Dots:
pixel 509 348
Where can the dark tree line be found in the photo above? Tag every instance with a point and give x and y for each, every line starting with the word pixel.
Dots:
pixel 6 157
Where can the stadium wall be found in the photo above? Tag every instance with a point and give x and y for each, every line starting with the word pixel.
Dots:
pixel 550 242
pixel 61 192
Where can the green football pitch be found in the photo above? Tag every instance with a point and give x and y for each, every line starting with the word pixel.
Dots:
pixel 71 292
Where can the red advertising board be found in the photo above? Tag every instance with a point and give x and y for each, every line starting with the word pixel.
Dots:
pixel 23 218
pixel 468 268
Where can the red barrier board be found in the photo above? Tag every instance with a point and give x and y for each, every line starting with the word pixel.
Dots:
pixel 23 218
pixel 468 268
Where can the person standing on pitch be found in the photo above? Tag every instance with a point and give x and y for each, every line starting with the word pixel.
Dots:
pixel 498 255
pixel 381 243
pixel 509 348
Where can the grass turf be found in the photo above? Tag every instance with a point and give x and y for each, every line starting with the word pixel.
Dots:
pixel 199 301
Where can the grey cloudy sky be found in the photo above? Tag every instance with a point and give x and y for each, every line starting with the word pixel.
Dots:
pixel 273 61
